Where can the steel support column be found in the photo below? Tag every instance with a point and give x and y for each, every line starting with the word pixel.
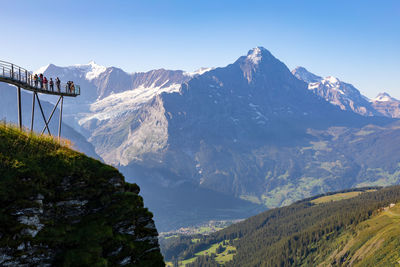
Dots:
pixel 52 113
pixel 33 110
pixel 19 107
pixel 60 121
pixel 44 118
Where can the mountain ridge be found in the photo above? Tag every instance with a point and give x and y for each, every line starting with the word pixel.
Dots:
pixel 250 130
pixel 347 97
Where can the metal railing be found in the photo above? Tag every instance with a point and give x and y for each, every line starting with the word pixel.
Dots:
pixel 24 77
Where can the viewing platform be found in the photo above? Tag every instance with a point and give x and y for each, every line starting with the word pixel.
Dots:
pixel 20 77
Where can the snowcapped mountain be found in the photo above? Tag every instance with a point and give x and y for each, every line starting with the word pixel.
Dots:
pixel 249 130
pixel 387 105
pixel 227 95
pixel 302 74
pixel 384 97
pixel 211 129
pixel 100 81
pixel 104 87
pixel 339 93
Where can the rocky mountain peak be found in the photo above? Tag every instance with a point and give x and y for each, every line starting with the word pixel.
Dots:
pixel 386 105
pixel 383 97
pixel 260 65
pixel 303 74
pixel 92 70
pixel 256 55
pixel 341 94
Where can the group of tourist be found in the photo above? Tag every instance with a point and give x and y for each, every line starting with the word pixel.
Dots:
pixel 71 87
pixel 44 83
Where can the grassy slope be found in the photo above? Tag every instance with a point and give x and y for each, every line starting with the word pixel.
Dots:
pixel 345 228
pixel 225 256
pixel 31 166
pixel 336 197
pixel 374 242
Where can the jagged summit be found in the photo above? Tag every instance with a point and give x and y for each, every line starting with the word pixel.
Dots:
pixel 386 105
pixel 384 97
pixel 337 92
pixel 302 73
pixel 259 64
pixel 256 54
pixel 42 69
pixel 92 69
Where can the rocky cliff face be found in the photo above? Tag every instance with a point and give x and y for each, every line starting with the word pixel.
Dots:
pixel 61 208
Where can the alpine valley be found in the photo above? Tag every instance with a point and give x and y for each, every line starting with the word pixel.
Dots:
pixel 229 142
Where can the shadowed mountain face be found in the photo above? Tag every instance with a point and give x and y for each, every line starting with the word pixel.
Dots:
pixel 250 130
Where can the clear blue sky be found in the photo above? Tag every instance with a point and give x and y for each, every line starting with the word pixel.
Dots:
pixel 357 41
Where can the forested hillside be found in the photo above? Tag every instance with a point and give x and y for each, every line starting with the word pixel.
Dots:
pixel 360 230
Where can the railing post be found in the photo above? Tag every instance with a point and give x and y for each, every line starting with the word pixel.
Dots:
pixel 19 74
pixel 12 71
pixel 26 76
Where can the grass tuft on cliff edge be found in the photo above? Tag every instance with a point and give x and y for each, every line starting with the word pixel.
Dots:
pixel 60 207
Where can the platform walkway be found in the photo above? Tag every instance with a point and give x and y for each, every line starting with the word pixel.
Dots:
pixel 15 75
pixel 22 78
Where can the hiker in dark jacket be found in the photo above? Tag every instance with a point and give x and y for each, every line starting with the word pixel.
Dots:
pixel 58 82
pixel 51 84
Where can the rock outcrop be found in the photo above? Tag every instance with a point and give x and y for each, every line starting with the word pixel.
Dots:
pixel 62 208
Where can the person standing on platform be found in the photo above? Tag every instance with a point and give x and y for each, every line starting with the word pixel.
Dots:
pixel 41 80
pixel 58 82
pixel 35 80
pixel 51 84
pixel 72 87
pixel 45 83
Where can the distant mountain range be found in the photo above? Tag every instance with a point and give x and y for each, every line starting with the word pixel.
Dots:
pixel 347 97
pixel 247 136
